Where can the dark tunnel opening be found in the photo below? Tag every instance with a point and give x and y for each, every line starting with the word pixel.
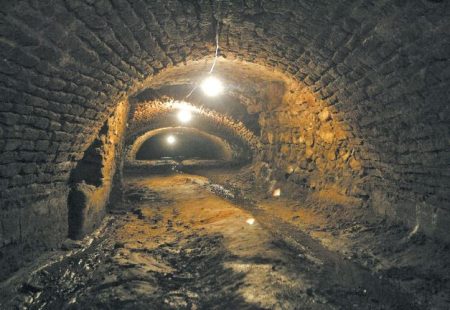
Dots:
pixel 179 146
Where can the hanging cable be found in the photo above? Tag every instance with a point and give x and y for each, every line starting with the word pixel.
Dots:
pixel 216 55
pixel 217 47
pixel 190 93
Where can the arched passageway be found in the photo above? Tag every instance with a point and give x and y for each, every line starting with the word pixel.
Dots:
pixel 328 140
pixel 182 145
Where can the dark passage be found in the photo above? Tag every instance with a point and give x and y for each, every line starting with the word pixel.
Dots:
pixel 184 146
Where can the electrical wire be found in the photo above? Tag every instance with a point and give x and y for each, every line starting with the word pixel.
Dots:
pixel 216 55
pixel 217 48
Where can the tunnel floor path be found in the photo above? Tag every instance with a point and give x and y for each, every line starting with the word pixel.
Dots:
pixel 182 246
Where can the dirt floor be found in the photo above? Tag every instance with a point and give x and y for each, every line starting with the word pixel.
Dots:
pixel 184 242
pixel 404 257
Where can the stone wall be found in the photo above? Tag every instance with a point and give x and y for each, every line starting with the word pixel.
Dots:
pixel 31 223
pixel 304 143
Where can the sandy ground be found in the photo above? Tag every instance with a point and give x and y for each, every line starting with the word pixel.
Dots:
pixel 183 243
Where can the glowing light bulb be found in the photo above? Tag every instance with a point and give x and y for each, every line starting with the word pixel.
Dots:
pixel 171 139
pixel 212 86
pixel 184 115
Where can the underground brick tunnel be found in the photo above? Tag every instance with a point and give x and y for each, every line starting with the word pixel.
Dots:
pixel 224 154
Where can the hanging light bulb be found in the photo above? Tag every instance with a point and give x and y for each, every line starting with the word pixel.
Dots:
pixel 211 86
pixel 171 139
pixel 184 115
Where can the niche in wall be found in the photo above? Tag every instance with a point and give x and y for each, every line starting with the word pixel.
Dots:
pixel 91 179
pixel 85 179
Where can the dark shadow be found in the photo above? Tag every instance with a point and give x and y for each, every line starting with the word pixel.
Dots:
pixel 88 171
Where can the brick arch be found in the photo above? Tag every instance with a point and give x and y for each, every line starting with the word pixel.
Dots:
pixel 162 113
pixel 133 149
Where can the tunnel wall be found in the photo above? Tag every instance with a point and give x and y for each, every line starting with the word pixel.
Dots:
pixel 304 144
pixel 310 143
pixel 39 218
pixel 33 222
